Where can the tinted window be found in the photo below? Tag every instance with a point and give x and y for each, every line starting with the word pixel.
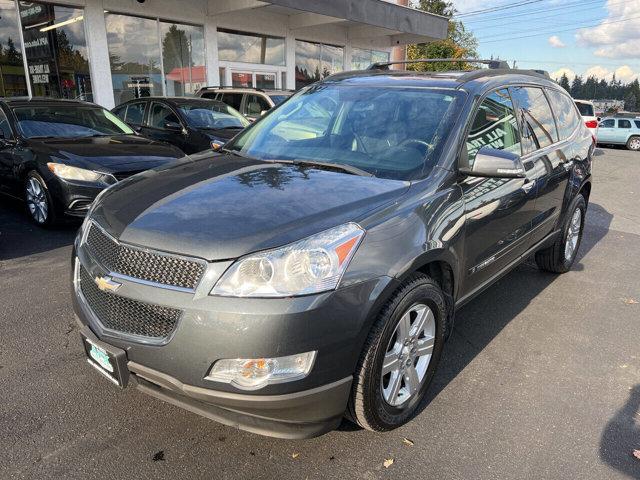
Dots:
pixel 585 109
pixel 256 104
pixel 494 126
pixel 278 99
pixel 58 121
pixel 135 113
pixel 120 111
pixel 536 120
pixel 4 126
pixel 624 124
pixel 637 122
pixel 609 123
pixel 390 132
pixel 565 111
pixel 161 115
pixel 211 95
pixel 232 99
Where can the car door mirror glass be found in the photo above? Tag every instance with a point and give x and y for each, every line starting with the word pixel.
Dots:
pixel 490 162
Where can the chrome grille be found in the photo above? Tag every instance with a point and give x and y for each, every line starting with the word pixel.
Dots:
pixel 141 264
pixel 125 315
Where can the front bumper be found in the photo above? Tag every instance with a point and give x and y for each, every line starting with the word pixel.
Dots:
pixel 334 324
pixel 74 198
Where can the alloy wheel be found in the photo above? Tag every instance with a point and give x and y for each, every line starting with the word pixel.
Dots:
pixel 573 234
pixel 408 355
pixel 634 144
pixel 37 200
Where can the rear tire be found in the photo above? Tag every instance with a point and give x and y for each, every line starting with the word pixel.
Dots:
pixel 400 356
pixel 559 257
pixel 40 207
pixel 633 144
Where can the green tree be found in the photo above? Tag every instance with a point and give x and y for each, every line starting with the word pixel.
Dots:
pixel 175 49
pixel 630 102
pixel 576 87
pixel 460 43
pixel 564 82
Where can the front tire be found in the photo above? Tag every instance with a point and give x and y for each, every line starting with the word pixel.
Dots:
pixel 559 257
pixel 39 203
pixel 633 144
pixel 400 356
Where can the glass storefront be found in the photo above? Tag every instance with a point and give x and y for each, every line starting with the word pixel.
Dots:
pixel 361 58
pixel 250 48
pixel 56 50
pixel 314 61
pixel 13 81
pixel 145 52
pixel 182 58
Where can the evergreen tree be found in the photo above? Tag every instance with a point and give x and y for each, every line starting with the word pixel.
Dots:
pixel 577 87
pixel 564 82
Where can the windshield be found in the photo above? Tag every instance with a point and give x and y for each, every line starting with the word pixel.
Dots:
pixel 278 99
pixel 214 116
pixel 390 132
pixel 64 121
pixel 585 109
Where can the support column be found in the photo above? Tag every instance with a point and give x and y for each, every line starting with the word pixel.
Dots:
pixel 290 59
pixel 99 67
pixel 399 53
pixel 211 49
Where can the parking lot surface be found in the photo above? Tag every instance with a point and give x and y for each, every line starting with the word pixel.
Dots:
pixel 540 380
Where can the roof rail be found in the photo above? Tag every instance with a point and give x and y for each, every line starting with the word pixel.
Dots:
pixel 492 64
pixel 211 87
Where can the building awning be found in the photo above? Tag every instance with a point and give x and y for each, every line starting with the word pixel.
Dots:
pixel 370 22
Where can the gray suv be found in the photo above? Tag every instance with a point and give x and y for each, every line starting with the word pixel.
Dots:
pixel 311 269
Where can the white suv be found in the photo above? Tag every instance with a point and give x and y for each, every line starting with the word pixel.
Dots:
pixel 251 102
pixel 587 110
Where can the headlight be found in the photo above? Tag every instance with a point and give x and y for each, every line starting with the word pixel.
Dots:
pixel 74 173
pixel 314 264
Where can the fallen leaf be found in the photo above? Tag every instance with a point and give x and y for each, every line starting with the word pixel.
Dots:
pixel 158 456
pixel 630 301
pixel 636 453
pixel 388 462
pixel 295 455
pixel 406 441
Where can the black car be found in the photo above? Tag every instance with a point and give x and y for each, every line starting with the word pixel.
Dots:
pixel 312 269
pixel 191 124
pixel 59 154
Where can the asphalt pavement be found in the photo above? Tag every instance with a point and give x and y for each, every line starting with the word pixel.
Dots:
pixel 541 379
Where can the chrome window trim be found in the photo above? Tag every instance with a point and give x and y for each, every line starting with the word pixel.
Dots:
pixel 151 251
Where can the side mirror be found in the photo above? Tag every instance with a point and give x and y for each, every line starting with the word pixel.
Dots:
pixel 493 163
pixel 174 126
pixel 263 112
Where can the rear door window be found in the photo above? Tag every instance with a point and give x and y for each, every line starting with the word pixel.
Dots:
pixel 565 111
pixel 211 95
pixel 256 105
pixel 537 125
pixel 120 111
pixel 624 124
pixel 135 113
pixel 232 99
pixel 494 126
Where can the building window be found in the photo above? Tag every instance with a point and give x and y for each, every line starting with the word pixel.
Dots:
pixel 361 58
pixel 149 57
pixel 13 81
pixel 244 47
pixel 314 61
pixel 56 50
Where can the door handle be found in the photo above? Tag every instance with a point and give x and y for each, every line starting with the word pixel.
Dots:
pixel 528 185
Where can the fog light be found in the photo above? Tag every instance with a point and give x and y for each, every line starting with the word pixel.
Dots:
pixel 254 373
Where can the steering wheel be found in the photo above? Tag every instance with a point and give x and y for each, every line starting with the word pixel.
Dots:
pixel 419 144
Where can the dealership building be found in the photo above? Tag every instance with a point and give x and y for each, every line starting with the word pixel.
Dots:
pixel 110 51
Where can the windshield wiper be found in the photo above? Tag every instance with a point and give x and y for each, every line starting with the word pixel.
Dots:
pixel 329 166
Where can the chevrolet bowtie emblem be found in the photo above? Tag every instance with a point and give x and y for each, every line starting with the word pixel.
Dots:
pixel 107 284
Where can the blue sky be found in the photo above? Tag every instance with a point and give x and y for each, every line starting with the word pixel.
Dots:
pixel 609 42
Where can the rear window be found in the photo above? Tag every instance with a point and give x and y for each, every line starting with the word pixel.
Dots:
pixel 565 111
pixel 585 109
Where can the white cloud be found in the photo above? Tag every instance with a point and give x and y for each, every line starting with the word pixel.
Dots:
pixel 558 74
pixel 555 42
pixel 624 73
pixel 618 34
pixel 598 72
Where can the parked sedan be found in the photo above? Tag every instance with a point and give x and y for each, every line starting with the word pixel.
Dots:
pixel 620 131
pixel 59 154
pixel 191 124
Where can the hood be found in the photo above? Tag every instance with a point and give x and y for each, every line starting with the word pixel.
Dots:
pixel 110 154
pixel 223 207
